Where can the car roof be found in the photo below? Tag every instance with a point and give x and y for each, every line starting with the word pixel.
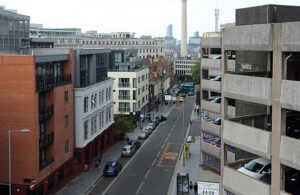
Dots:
pixel 127 146
pixel 262 161
pixel 111 162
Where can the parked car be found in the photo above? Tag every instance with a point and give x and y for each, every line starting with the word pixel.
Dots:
pixel 143 134
pixel 256 168
pixel 217 78
pixel 292 181
pixel 135 143
pixel 181 99
pixel 191 93
pixel 112 168
pixel 161 118
pixel 216 100
pixel 152 125
pixel 127 150
pixel 217 121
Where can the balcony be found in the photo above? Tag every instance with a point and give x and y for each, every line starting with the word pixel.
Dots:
pixel 122 110
pixel 124 97
pixel 289 152
pixel 45 163
pixel 209 106
pixel 290 43
pixel 45 113
pixel 248 88
pixel 46 141
pixel 211 85
pixel 124 85
pixel 207 63
pixel 251 139
pixel 210 149
pixel 290 93
pixel 49 82
pixel 211 128
pixel 243 184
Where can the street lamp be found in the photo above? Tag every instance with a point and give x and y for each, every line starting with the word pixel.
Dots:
pixel 183 160
pixel 9 153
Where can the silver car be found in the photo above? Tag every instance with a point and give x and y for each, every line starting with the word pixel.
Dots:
pixel 128 150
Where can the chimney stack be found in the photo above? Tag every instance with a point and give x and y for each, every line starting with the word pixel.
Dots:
pixel 183 28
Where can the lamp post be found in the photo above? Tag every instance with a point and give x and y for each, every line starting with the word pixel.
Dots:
pixel 183 159
pixel 9 153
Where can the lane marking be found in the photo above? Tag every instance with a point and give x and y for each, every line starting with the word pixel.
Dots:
pixel 139 188
pixel 153 162
pixel 147 173
pixel 157 154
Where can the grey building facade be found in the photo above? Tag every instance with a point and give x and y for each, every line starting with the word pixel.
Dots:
pixel 14 32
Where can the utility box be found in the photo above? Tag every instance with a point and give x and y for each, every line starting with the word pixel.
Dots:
pixel 183 184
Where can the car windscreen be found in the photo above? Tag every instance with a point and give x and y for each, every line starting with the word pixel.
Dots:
pixel 253 166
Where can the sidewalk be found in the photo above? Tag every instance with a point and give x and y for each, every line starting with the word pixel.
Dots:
pixel 191 166
pixel 86 180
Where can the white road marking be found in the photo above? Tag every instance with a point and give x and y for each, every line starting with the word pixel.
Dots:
pixel 147 173
pixel 139 188
pixel 153 162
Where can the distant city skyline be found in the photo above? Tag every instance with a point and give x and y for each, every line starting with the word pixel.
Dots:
pixel 138 16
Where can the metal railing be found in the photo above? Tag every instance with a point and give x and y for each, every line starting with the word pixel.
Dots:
pixel 49 82
pixel 46 140
pixel 45 112
pixel 124 84
pixel 124 97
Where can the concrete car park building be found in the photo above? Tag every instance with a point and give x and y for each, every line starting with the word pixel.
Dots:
pixel 93 103
pixel 263 83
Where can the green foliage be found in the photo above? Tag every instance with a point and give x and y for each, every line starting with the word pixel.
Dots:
pixel 123 124
pixel 196 72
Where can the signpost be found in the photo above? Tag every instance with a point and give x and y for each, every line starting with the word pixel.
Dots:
pixel 208 188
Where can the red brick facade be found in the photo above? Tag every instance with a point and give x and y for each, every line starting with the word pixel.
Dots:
pixel 19 109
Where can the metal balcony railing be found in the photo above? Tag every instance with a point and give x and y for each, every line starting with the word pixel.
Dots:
pixel 124 84
pixel 124 97
pixel 45 112
pixel 49 82
pixel 46 140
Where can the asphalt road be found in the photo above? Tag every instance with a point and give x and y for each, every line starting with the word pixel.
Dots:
pixel 150 170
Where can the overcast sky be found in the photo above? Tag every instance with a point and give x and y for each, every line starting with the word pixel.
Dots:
pixel 144 17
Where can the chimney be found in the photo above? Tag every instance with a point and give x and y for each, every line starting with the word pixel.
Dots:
pixel 183 28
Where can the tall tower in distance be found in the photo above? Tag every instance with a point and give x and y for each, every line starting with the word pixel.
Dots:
pixel 217 19
pixel 183 28
pixel 169 31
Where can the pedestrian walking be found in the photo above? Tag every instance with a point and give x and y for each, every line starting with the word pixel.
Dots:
pixel 196 188
pixel 97 166
pixel 191 186
pixel 99 159
pixel 190 122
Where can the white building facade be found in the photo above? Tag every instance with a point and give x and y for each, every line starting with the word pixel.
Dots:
pixel 130 90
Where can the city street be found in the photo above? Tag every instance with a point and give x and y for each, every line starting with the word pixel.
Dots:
pixel 150 170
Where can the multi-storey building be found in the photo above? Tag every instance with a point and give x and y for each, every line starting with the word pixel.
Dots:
pixel 183 68
pixel 263 83
pixel 210 91
pixel 14 33
pixel 131 82
pixel 73 37
pixel 36 94
pixel 93 103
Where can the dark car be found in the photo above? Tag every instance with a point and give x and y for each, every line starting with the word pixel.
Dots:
pixel 191 93
pixel 292 181
pixel 135 143
pixel 216 121
pixel 112 168
pixel 161 118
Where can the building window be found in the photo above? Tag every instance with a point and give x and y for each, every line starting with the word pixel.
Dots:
pixel 92 126
pixel 66 120
pixel 66 96
pixel 92 102
pixel 146 87
pixel 143 100
pixel 134 107
pixel 102 97
pixel 86 129
pixel 143 77
pixel 107 115
pixel 100 120
pixel 124 107
pixel 134 82
pixel 139 91
pixel 107 94
pixel 143 89
pixel 100 102
pixel 134 94
pixel 139 79
pixel 66 146
pixel 110 93
pixel 86 104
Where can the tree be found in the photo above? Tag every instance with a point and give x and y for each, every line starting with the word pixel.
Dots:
pixel 196 72
pixel 123 124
